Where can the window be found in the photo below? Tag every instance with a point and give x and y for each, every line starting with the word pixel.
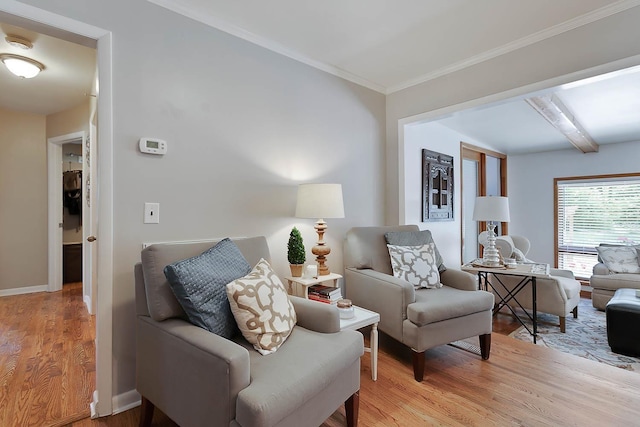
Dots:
pixel 594 210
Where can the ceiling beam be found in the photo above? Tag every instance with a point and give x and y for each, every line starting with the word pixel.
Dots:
pixel 555 112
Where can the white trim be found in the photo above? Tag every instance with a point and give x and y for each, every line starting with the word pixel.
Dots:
pixel 266 43
pixel 23 290
pixel 505 96
pixel 588 18
pixel 54 215
pixel 125 401
pixel 104 319
pixel 104 332
pixel 547 33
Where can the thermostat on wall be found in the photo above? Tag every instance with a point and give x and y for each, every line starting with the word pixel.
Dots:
pixel 153 146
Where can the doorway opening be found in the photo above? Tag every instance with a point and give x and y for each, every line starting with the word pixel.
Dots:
pixel 45 22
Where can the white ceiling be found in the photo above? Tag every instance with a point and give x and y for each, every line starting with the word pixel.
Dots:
pixel 63 84
pixel 386 45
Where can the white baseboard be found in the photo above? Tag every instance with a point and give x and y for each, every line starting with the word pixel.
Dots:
pixel 125 401
pixel 93 404
pixel 87 302
pixel 25 290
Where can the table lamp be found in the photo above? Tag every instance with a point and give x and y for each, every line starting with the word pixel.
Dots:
pixel 320 201
pixel 492 209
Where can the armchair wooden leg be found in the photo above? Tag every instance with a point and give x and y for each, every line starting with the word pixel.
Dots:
pixel 351 408
pixel 563 324
pixel 575 312
pixel 418 365
pixel 485 346
pixel 146 412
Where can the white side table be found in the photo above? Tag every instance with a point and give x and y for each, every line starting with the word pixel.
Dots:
pixel 362 318
pixel 299 286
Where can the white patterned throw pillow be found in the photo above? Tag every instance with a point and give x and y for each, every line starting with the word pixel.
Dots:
pixel 415 264
pixel 261 307
pixel 620 259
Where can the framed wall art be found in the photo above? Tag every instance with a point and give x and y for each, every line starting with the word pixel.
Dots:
pixel 437 186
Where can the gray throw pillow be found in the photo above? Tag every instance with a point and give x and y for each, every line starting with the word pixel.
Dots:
pixel 199 284
pixel 414 238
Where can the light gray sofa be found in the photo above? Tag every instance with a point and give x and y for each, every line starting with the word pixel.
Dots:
pixel 198 378
pixel 605 283
pixel 420 319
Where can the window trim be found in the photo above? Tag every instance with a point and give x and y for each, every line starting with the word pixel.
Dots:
pixel 605 177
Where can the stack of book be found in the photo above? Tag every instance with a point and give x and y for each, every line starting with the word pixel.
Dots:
pixel 326 294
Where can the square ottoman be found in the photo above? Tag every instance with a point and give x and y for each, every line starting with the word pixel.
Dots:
pixel 623 322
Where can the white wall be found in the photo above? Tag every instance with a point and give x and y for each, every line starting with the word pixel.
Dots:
pixel 530 179
pixel 604 45
pixel 244 127
pixel 439 138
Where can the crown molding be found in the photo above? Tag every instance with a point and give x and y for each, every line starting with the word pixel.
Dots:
pixel 588 18
pixel 266 43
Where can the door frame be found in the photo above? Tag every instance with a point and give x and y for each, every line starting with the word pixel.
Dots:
pixel 64 27
pixel 55 209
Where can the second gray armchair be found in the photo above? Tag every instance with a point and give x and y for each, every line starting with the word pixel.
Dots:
pixel 418 318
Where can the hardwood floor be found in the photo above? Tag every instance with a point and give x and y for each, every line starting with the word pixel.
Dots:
pixel 47 358
pixel 521 384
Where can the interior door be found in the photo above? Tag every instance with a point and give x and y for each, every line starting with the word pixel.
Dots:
pixel 89 214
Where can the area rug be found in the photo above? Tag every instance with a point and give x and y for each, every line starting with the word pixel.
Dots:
pixel 586 337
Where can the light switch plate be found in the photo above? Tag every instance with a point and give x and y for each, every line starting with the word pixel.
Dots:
pixel 152 213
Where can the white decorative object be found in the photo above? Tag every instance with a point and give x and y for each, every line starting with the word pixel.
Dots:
pixel 320 201
pixel 492 209
pixel 310 272
pixel 345 307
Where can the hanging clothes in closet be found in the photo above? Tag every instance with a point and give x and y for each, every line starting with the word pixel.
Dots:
pixel 72 190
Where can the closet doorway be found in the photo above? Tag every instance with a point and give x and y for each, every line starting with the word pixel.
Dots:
pixel 71 212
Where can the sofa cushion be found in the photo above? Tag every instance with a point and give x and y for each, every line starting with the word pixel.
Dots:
pixel 415 264
pixel 414 238
pixel 261 307
pixel 620 259
pixel 445 303
pixel 199 285
pixel 613 282
pixel 311 360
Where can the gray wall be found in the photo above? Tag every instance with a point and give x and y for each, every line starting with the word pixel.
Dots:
pixel 531 187
pixel 610 39
pixel 244 127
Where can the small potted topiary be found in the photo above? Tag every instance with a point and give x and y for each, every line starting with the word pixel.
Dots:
pixel 295 253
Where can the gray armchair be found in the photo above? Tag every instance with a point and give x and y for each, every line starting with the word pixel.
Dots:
pixel 558 295
pixel 420 319
pixel 198 378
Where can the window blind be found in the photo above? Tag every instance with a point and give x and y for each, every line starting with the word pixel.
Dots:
pixel 594 211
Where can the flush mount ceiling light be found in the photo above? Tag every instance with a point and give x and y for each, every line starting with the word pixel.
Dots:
pixel 555 112
pixel 19 42
pixel 21 66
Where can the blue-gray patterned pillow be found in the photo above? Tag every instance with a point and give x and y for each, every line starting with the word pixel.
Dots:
pixel 199 285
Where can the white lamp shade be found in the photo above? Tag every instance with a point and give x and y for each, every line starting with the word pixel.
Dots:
pixel 491 208
pixel 320 201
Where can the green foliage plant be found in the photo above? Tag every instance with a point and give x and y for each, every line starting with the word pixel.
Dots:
pixel 295 248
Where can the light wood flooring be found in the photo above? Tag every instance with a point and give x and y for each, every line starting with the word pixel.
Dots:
pixel 47 358
pixel 521 384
